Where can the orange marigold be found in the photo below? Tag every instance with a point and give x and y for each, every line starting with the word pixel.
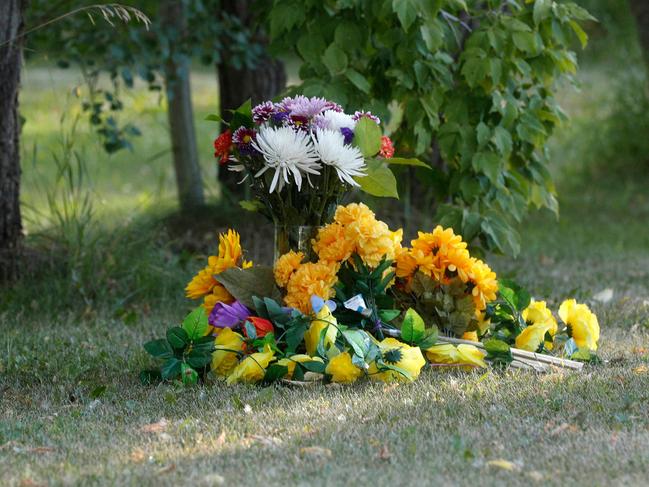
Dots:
pixel 353 212
pixel 485 284
pixel 312 278
pixel 331 244
pixel 285 266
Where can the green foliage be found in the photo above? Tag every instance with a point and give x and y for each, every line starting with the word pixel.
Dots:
pixel 505 313
pixel 246 284
pixel 186 351
pixel 474 85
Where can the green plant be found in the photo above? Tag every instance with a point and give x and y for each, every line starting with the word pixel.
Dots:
pixel 468 85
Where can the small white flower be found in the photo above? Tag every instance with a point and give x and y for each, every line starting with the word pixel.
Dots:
pixel 288 152
pixel 331 149
pixel 333 120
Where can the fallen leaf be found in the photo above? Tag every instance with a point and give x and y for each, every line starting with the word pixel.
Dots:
pixel 220 441
pixel 384 453
pixel 604 296
pixel 316 451
pixel 641 369
pixel 165 470
pixel 639 350
pixel 138 455
pixel 158 427
pixel 504 464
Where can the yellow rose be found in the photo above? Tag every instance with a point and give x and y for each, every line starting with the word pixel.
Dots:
pixel 252 368
pixel 582 324
pixel 342 369
pixel 532 336
pixel 324 319
pixel 464 354
pixel 290 362
pixel 538 312
pixel 394 352
pixel 223 358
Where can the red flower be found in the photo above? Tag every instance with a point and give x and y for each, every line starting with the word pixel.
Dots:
pixel 262 326
pixel 387 149
pixel 222 146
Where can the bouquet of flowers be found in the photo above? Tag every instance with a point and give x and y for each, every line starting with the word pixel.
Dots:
pixel 300 156
pixel 366 308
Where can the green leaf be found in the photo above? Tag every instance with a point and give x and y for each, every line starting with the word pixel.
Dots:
pixel 148 377
pixel 429 339
pixel 367 137
pixel 188 374
pixel 171 368
pixel 502 235
pixel 498 352
pixel 406 11
pixel 159 348
pixel 314 366
pixel 378 181
pixel 243 284
pixel 502 139
pixel 195 324
pixel 488 163
pixel 388 315
pixel 311 46
pixel 273 373
pixel 400 161
pixel 542 10
pixel 579 32
pixel 335 59
pixel 358 80
pixel 294 336
pixel 525 41
pixel 412 328
pixel 214 117
pixel 97 392
pixel 284 16
pixel 483 133
pixel 251 205
pixel 358 340
pixel 177 337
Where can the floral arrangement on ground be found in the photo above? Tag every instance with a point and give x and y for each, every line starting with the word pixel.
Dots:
pixel 364 306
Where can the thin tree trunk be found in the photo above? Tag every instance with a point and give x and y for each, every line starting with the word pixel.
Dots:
pixel 181 115
pixel 11 25
pixel 640 10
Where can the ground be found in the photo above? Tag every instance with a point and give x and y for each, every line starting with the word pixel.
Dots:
pixel 74 412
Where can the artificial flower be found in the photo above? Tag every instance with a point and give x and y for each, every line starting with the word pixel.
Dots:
pixel 334 120
pixel 387 149
pixel 401 355
pixel 353 212
pixel 311 278
pixel 242 138
pixel 360 114
pixel 341 369
pixel 533 336
pixel 485 284
pixel 582 324
pixel 262 327
pixel 331 245
pixel 290 362
pixel 464 354
pixel 324 320
pixel 331 149
pixel 218 295
pixel 222 146
pixel 262 112
pixel 225 315
pixel 201 284
pixel 301 106
pixel 228 344
pixel 286 265
pixel 472 336
pixel 288 153
pixel 538 312
pixel 252 368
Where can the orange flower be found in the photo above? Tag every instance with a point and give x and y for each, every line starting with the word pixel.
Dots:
pixel 262 326
pixel 331 244
pixel 285 266
pixel 308 280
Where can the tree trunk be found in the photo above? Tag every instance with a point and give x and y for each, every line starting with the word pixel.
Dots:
pixel 11 25
pixel 640 10
pixel 264 82
pixel 181 114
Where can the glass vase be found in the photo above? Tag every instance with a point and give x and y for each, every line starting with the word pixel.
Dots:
pixel 296 238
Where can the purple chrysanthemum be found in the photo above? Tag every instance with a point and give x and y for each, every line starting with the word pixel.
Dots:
pixel 331 105
pixel 279 117
pixel 262 112
pixel 348 134
pixel 298 122
pixel 360 114
pixel 302 106
pixel 243 138
pixel 228 315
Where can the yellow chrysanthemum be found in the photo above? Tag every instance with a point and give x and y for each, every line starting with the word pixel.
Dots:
pixel 230 246
pixel 331 244
pixel 582 324
pixel 465 355
pixel 342 369
pixel 353 212
pixel 380 243
pixel 219 295
pixel 485 284
pixel 532 336
pixel 308 280
pixel 252 368
pixel 400 355
pixel 291 361
pixel 324 319
pixel 225 358
pixel 201 284
pixel 286 265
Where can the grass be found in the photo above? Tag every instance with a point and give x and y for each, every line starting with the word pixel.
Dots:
pixel 74 412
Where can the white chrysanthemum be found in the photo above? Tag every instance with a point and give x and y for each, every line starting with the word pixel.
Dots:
pixel 333 120
pixel 348 161
pixel 288 152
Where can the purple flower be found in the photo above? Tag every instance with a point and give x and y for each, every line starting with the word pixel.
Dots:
pixel 360 114
pixel 348 134
pixel 330 105
pixel 302 106
pixel 262 112
pixel 228 315
pixel 279 117
pixel 243 138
